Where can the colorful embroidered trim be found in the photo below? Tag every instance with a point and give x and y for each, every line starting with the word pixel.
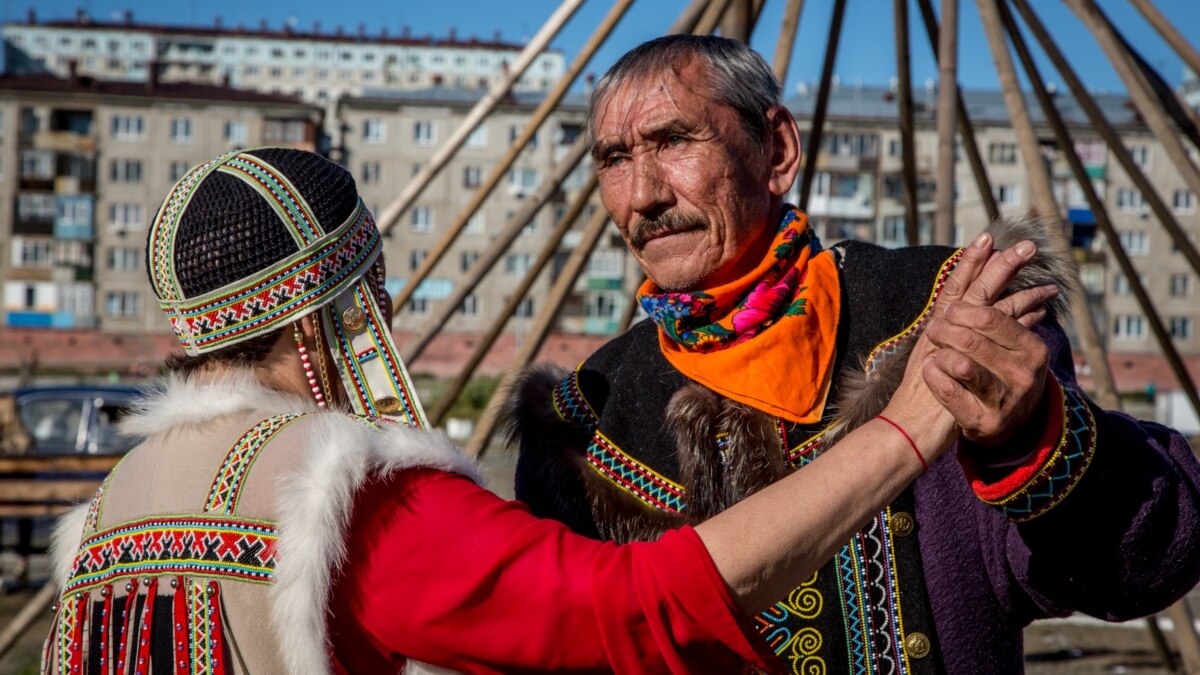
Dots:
pixel 97 505
pixel 279 192
pixel 232 548
pixel 1060 471
pixel 367 359
pixel 636 478
pixel 805 452
pixel 867 584
pixel 226 489
pixel 205 634
pixel 279 293
pixel 571 405
pixel 799 649
pixel 166 225
pixel 891 345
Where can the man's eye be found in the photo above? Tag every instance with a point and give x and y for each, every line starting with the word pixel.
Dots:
pixel 615 160
pixel 675 140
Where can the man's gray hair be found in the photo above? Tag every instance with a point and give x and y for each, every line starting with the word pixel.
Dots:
pixel 736 76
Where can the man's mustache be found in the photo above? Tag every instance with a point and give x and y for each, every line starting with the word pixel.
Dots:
pixel 667 222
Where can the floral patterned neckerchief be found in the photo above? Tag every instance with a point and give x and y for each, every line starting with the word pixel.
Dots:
pixel 766 339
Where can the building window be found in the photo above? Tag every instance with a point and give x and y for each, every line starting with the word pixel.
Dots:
pixel 469 306
pixel 33 206
pixel 126 216
pixel 423 132
pixel 283 131
pixel 894 147
pixel 1008 195
pixel 518 263
pixel 415 258
pixel 472 176
pixel 123 304
pixel 125 171
pixel 1181 327
pixel 466 259
pixel 128 127
pixel 1130 200
pixel 422 219
pixel 1129 327
pixel 235 132
pixel 178 169
pixel 476 224
pixel 125 259
pixel 1121 284
pixel 1135 243
pixel 370 173
pixel 34 253
pixel 37 164
pixel 523 181
pixel 478 137
pixel 1091 275
pixel 514 132
pixel 1181 285
pixel 181 130
pixel 418 306
pixel 1141 155
pixel 1184 202
pixel 525 308
pixel 374 130
pixel 1002 153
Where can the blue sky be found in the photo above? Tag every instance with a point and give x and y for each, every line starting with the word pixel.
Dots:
pixel 867 54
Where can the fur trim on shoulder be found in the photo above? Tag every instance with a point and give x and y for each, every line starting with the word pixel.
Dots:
pixel 65 541
pixel 180 401
pixel 861 398
pixel 528 409
pixel 314 513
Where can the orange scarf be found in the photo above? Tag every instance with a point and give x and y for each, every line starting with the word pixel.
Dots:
pixel 767 339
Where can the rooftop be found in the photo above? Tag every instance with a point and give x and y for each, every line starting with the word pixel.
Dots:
pixel 159 90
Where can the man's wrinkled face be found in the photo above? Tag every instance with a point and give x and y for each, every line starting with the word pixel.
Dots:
pixel 685 185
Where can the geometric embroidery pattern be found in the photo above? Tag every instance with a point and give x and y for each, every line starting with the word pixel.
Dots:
pixel 891 345
pixel 280 194
pixel 1063 468
pixel 638 479
pixel 215 319
pixel 204 639
pixel 213 547
pixel 571 405
pixel 227 485
pixel 870 598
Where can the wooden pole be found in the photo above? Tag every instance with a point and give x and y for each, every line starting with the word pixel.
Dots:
pixel 631 306
pixel 966 130
pixel 541 328
pixel 712 17
pixel 500 170
pixel 1043 199
pixel 27 617
pixel 818 120
pixel 1189 645
pixel 1170 33
pixel 907 130
pixel 1101 124
pixel 545 255
pixel 688 18
pixel 735 22
pixel 943 226
pixel 482 109
pixel 471 278
pixel 1138 90
pixel 787 39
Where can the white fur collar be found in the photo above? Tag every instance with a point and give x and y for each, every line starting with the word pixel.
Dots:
pixel 176 400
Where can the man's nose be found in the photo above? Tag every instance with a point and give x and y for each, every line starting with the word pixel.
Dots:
pixel 650 193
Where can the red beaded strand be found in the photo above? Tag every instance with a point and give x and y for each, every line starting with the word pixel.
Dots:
pixel 308 369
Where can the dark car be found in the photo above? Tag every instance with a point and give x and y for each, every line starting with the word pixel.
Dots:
pixel 76 420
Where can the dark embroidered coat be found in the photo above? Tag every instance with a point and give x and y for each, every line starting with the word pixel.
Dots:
pixel 1107 523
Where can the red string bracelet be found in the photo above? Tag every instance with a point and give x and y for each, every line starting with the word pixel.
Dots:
pixel 924 466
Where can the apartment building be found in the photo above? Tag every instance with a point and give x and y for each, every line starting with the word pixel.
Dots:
pixel 389 137
pixel 84 165
pixel 858 193
pixel 317 65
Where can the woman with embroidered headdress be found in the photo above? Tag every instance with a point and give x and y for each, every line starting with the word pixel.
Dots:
pixel 290 510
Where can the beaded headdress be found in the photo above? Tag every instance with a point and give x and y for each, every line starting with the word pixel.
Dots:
pixel 251 241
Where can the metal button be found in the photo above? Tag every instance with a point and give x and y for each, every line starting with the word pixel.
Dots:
pixel 387 405
pixel 917 645
pixel 902 524
pixel 354 319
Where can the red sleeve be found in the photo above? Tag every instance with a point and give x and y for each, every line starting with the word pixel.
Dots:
pixel 442 571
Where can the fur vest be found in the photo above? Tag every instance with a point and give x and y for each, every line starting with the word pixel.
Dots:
pixel 221 458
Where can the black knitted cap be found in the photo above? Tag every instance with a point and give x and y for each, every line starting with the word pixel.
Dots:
pixel 229 232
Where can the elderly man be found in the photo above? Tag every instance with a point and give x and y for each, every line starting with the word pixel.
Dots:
pixel 763 348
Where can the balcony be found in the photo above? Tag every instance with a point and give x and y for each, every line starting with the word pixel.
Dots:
pixel 62 141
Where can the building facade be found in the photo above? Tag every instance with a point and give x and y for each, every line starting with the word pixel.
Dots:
pixel 85 165
pixel 858 193
pixel 315 65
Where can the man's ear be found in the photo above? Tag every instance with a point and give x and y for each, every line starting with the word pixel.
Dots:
pixel 783 146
